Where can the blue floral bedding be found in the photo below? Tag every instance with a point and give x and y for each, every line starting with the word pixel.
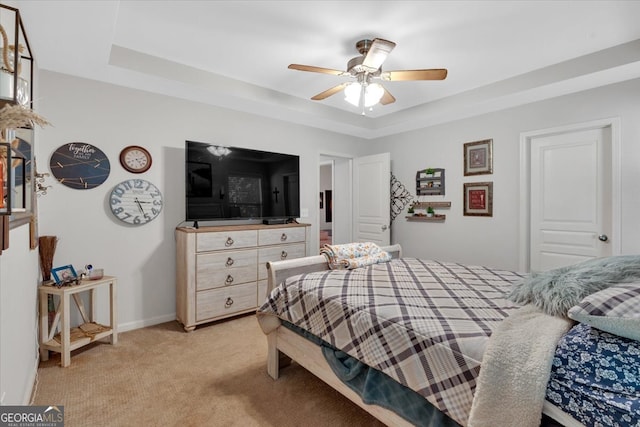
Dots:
pixel 596 378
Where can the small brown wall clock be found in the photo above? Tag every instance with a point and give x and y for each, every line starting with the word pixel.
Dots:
pixel 135 159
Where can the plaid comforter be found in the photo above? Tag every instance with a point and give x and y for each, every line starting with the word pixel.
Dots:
pixel 423 323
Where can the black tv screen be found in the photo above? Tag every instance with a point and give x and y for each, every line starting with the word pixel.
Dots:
pixel 232 183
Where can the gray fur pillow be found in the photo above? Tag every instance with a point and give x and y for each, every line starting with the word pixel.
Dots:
pixel 556 291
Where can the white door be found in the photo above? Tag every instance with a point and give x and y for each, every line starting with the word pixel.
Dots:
pixel 372 199
pixel 571 200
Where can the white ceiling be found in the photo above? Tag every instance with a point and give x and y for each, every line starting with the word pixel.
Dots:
pixel 235 53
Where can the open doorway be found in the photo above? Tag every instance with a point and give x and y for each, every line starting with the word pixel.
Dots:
pixel 326 203
pixel 335 216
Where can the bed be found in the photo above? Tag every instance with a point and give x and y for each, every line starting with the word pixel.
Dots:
pixel 441 368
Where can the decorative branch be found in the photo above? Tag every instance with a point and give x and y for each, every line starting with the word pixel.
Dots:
pixel 17 116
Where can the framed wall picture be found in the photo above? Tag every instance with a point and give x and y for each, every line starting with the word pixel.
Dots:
pixel 321 200
pixel 478 157
pixel 63 274
pixel 478 199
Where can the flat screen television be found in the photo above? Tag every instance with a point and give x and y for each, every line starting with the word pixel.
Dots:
pixel 233 183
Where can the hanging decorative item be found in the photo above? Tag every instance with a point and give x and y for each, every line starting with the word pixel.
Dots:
pixel 400 197
pixel 79 165
pixel 41 187
pixel 15 156
pixel 16 70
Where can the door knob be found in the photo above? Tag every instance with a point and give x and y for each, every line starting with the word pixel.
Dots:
pixel 603 237
pixel 384 227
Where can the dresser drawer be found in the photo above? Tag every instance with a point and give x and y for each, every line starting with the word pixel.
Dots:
pixel 278 253
pixel 226 240
pixel 214 303
pixel 276 236
pixel 218 269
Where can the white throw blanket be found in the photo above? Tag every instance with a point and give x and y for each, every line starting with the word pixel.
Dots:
pixel 515 369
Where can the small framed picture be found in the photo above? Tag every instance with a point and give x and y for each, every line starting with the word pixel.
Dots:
pixel 321 200
pixel 63 274
pixel 478 157
pixel 478 199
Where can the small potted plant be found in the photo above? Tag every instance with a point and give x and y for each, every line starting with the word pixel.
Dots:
pixel 430 212
pixel 410 210
pixel 429 171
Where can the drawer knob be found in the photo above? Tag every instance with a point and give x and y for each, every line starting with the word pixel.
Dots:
pixel 283 237
pixel 283 255
pixel 229 242
pixel 228 303
pixel 229 262
pixel 229 280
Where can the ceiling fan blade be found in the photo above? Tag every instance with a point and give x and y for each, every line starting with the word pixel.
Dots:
pixel 377 54
pixel 408 75
pixel 327 93
pixel 315 69
pixel 387 98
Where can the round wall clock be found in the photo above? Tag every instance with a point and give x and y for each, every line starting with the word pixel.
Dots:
pixel 135 159
pixel 135 201
pixel 80 165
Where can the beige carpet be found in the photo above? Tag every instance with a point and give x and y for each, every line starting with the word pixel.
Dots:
pixel 214 376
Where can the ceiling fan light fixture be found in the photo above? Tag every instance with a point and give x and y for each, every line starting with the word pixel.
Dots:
pixel 353 94
pixel 365 68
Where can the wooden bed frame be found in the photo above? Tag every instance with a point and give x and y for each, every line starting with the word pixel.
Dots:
pixel 285 345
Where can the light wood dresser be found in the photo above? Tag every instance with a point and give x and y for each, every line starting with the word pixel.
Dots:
pixel 221 271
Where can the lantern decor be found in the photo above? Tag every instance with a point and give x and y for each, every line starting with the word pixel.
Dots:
pixel 16 61
pixel 11 118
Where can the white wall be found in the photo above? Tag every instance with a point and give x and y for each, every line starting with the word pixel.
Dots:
pixel 111 118
pixel 19 275
pixel 495 241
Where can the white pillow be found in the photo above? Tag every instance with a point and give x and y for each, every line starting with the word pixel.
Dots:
pixel 615 310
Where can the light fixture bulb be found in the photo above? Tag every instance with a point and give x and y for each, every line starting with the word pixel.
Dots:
pixel 373 94
pixel 352 93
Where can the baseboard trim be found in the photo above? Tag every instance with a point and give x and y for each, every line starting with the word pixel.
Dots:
pixel 28 393
pixel 130 326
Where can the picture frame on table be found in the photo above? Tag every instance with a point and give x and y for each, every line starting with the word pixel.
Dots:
pixel 478 199
pixel 478 157
pixel 64 274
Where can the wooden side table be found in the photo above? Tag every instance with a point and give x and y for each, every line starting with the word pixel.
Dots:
pixel 70 339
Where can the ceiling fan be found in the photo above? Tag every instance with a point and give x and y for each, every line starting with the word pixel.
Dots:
pixel 367 68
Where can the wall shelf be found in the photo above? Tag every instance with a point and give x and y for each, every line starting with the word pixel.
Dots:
pixel 425 205
pixel 430 184
pixel 424 218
